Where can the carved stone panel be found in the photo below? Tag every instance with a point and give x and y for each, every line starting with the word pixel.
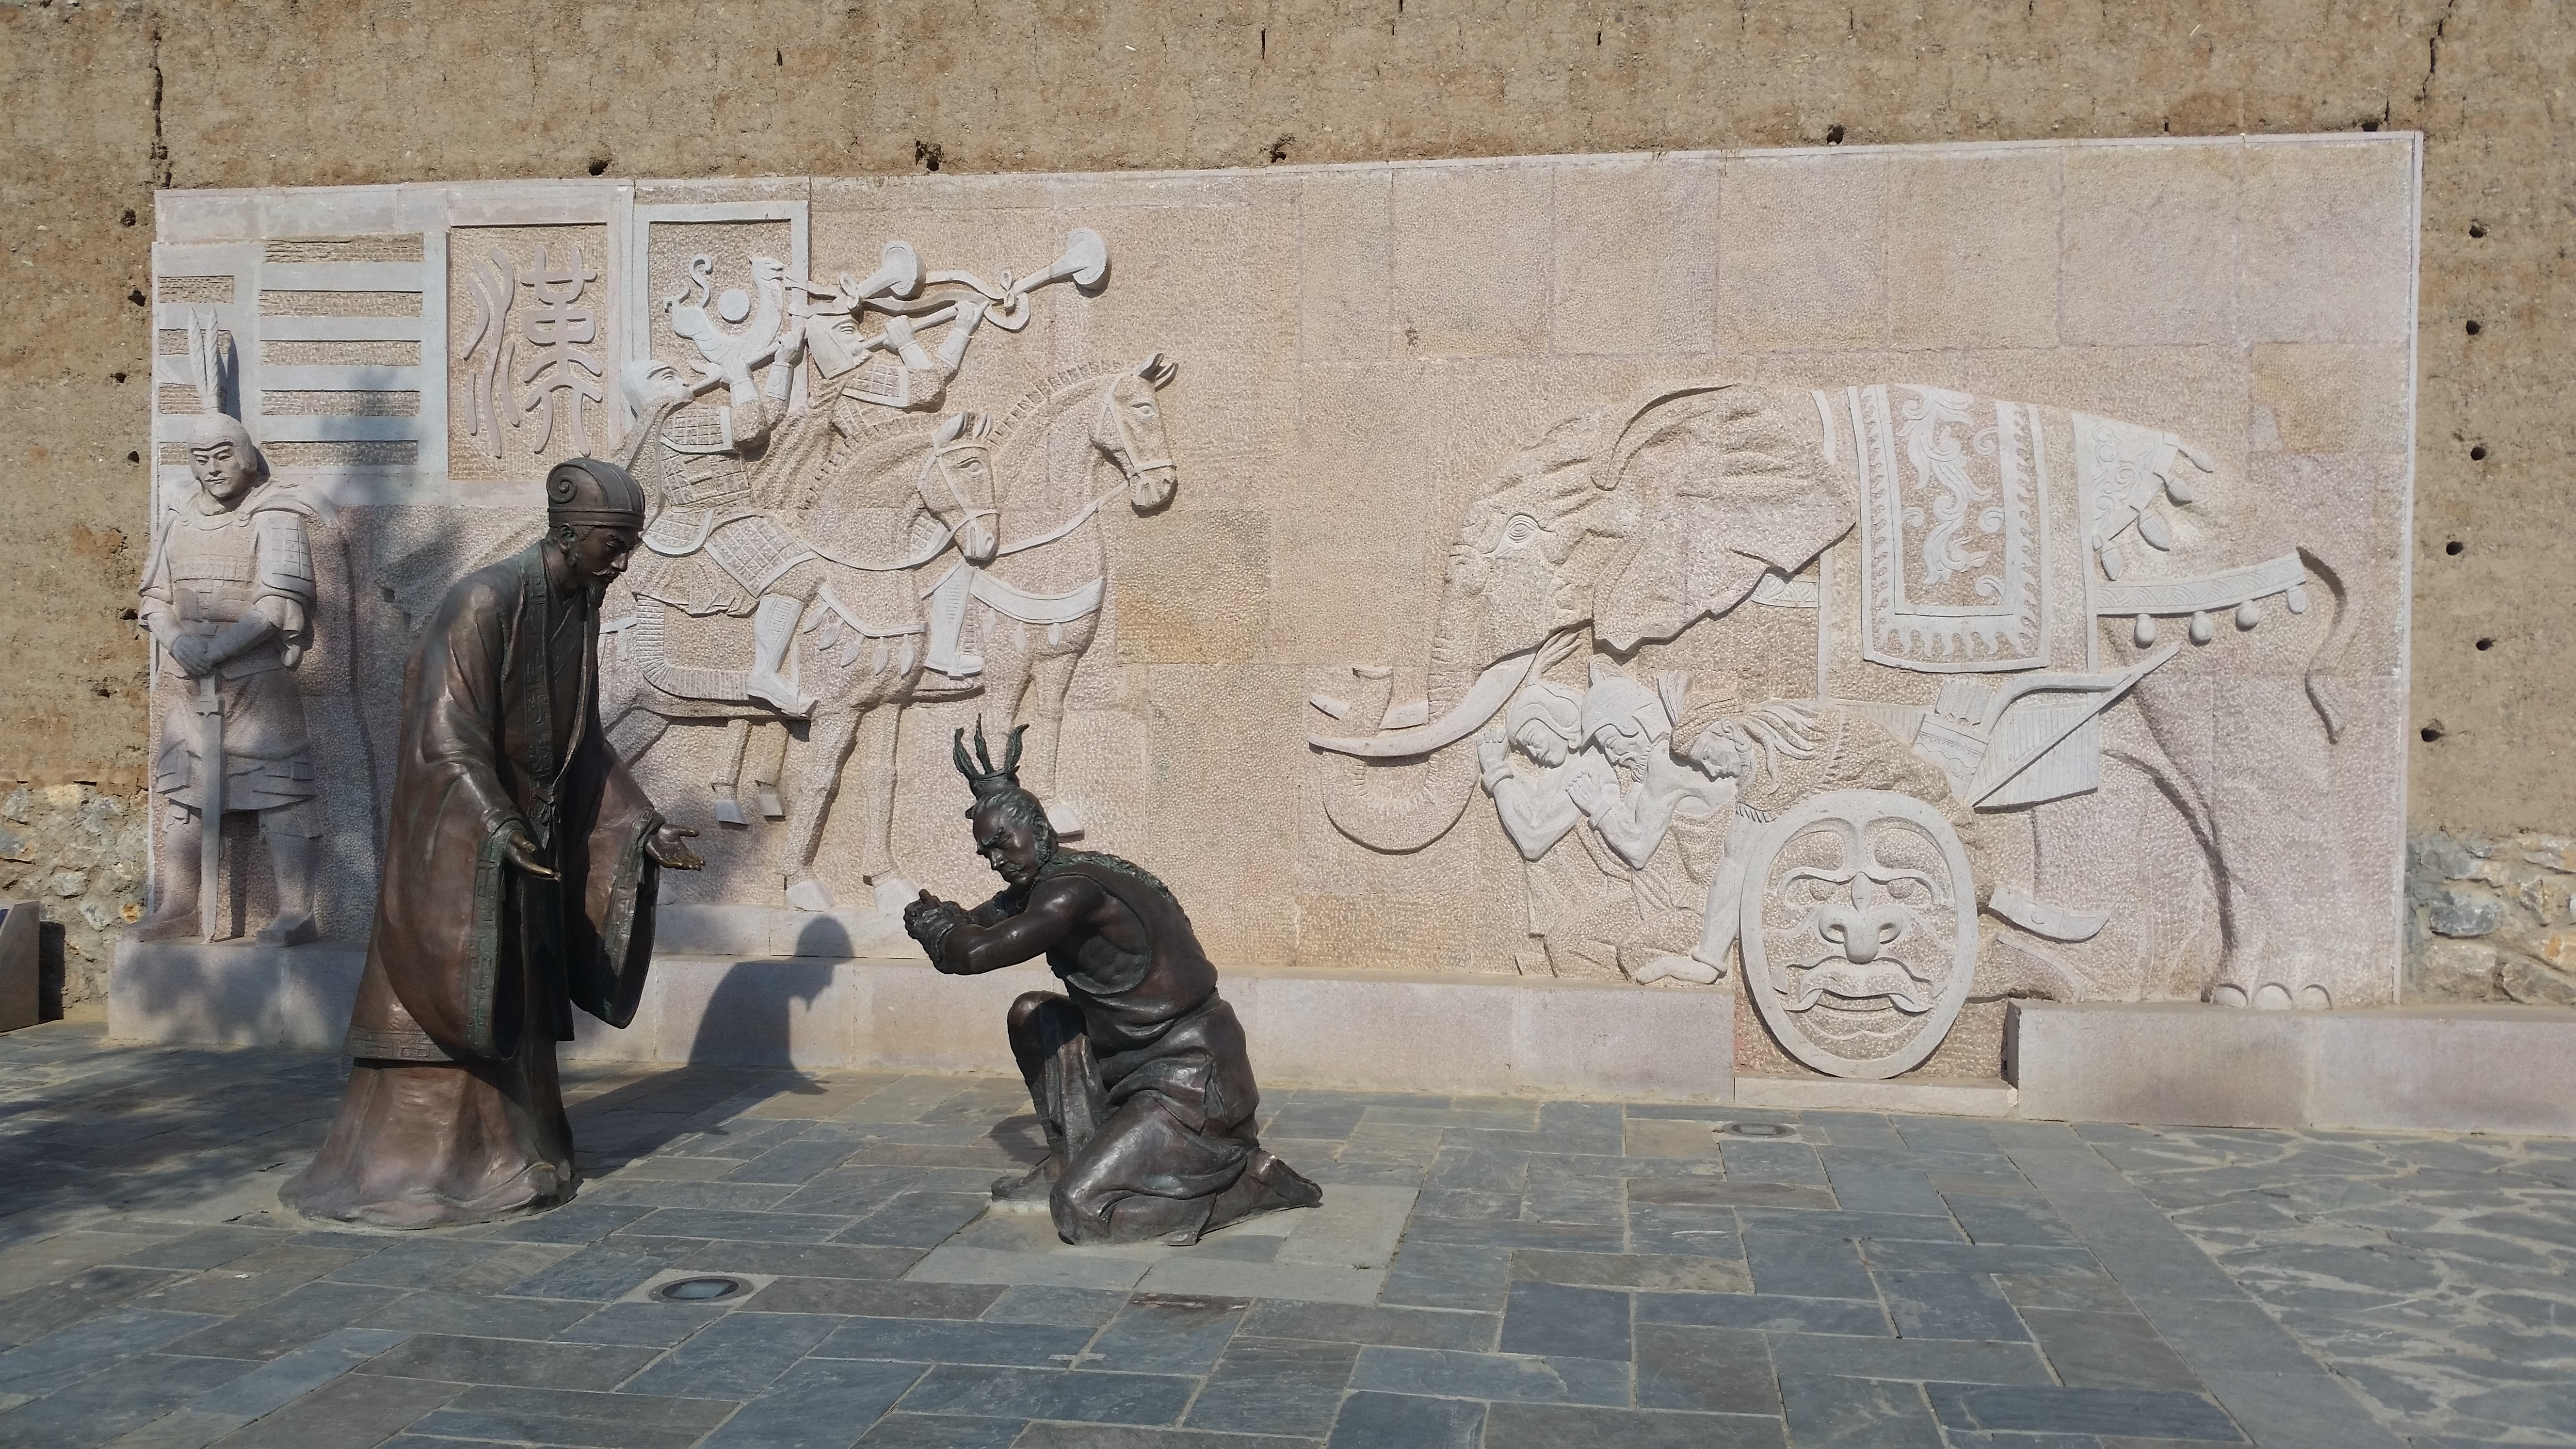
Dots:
pixel 1860 931
pixel 699 261
pixel 1562 566
pixel 532 322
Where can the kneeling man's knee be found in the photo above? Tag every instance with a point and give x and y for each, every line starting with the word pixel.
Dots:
pixel 1030 1003
pixel 1073 1222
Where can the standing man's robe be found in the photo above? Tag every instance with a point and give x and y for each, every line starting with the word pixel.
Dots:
pixel 453 1113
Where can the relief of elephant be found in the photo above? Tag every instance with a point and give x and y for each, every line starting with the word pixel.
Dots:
pixel 1634 524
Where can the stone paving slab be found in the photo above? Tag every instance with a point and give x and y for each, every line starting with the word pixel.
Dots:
pixel 1493 1273
pixel 1338 1253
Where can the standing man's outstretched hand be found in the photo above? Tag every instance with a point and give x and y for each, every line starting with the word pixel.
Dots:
pixel 669 848
pixel 521 849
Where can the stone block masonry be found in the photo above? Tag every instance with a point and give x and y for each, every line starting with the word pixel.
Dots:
pixel 2491 919
pixel 77 852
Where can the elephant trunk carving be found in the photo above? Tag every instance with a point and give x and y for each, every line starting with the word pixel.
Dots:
pixel 1399 806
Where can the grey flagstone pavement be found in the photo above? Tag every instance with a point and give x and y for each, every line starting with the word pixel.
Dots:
pixel 1490 1272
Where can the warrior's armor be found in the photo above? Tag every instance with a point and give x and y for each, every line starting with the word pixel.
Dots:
pixel 210 571
pixel 695 463
pixel 715 546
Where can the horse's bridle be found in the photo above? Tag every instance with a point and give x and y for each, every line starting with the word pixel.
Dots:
pixel 937 464
pixel 1130 457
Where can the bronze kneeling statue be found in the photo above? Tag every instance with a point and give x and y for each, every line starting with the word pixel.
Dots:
pixel 1138 1071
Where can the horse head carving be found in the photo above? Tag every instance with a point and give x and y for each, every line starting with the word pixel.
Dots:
pixel 1130 431
pixel 957 484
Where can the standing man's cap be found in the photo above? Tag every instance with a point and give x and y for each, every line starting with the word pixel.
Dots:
pixel 587 490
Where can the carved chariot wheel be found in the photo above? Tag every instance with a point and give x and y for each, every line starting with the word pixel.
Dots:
pixel 1859 925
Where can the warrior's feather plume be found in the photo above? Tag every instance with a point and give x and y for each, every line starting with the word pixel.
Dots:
pixel 206 361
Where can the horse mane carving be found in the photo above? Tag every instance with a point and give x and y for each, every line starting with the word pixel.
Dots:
pixel 1053 386
pixel 862 452
pixel 1041 405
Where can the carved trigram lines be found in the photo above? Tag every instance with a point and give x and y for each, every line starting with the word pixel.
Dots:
pixel 323 340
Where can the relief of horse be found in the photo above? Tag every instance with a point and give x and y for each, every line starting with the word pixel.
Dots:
pixel 902 495
pixel 1036 606
pixel 939 582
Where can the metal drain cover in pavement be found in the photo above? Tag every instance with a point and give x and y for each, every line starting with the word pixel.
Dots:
pixel 700 1290
pixel 1756 1129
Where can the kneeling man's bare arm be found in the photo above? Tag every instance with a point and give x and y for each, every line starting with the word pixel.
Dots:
pixel 970 943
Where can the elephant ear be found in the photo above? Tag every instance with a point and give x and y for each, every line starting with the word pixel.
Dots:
pixel 1735 485
pixel 1644 593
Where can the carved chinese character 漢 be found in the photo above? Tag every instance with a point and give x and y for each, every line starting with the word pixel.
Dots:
pixel 555 331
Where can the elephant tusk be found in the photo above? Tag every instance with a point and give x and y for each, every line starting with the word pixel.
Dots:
pixel 1493 689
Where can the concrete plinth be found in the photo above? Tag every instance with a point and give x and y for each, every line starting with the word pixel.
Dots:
pixel 2495 1069
pixel 1929 1096
pixel 2491 1069
pixel 234 993
pixel 1367 1031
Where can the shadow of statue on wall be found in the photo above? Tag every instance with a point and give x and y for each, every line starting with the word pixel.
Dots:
pixel 750 1017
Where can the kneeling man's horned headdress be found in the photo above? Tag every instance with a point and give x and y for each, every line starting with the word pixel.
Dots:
pixel 988 782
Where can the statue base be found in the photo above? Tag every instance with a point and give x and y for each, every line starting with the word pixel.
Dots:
pixel 2179 1063
pixel 2402 1068
pixel 846 990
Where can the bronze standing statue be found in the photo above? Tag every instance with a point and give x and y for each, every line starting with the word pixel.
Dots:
pixel 1138 1071
pixel 518 884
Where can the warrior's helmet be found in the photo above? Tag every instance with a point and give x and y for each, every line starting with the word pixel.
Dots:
pixel 215 422
pixel 647 380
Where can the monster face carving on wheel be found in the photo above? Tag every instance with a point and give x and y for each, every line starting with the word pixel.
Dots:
pixel 1860 931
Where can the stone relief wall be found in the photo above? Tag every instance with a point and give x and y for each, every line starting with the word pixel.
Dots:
pixel 1878 582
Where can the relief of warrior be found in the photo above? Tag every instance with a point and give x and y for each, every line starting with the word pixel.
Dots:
pixel 716 544
pixel 1650 891
pixel 1580 903
pixel 229 597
